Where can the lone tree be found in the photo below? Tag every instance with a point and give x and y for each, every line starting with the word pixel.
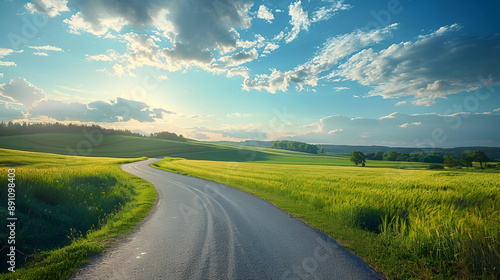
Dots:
pixel 358 157
pixel 480 157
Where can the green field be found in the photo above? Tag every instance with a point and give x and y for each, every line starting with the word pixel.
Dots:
pixel 101 146
pixel 68 208
pixel 408 223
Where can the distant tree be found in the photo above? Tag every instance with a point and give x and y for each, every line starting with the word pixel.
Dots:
pixel 480 157
pixel 358 157
pixel 295 146
pixel 379 155
pixel 322 150
pixel 433 158
pixel 452 161
pixel 391 156
pixel 416 157
pixel 467 158
pixel 168 136
pixel 403 157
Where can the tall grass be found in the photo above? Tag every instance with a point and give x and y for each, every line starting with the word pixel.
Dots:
pixel 68 204
pixel 417 223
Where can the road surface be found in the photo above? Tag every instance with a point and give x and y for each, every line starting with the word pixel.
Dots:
pixel 205 230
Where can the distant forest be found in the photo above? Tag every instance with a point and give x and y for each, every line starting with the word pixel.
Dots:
pixel 10 129
pixel 295 146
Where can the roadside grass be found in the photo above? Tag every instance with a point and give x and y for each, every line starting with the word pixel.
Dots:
pixel 408 224
pixel 67 209
pixel 105 146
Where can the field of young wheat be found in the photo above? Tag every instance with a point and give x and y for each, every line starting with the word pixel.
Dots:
pixel 407 223
pixel 67 208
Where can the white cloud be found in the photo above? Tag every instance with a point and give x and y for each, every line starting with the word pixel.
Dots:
pixel 270 47
pixel 6 52
pixel 239 58
pixel 433 66
pixel 335 49
pixel 299 21
pixel 409 124
pixel 22 92
pixel 238 71
pixel 46 48
pixel 118 70
pixel 335 131
pixel 7 63
pixel 326 12
pixel 401 103
pixel 340 88
pixel 119 110
pixel 41 50
pixel 496 110
pixel 265 13
pixel 163 77
pixel 194 30
pixel 51 8
pixel 99 57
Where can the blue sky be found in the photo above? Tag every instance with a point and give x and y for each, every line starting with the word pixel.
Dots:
pixel 398 73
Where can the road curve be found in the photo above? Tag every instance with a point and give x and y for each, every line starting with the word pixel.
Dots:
pixel 205 230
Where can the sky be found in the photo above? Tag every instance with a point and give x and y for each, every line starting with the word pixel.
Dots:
pixel 396 73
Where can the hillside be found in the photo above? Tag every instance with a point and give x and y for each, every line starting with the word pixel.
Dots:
pixel 102 146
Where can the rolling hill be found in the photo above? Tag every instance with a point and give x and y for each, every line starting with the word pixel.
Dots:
pixel 101 146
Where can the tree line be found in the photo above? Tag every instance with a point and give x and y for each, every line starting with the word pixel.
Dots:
pixel 466 158
pixel 168 136
pixel 295 146
pixel 10 129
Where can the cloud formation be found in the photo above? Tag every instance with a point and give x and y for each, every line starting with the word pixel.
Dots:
pixel 6 52
pixel 433 66
pixel 327 12
pixel 335 49
pixel 40 49
pixel 194 29
pixel 419 130
pixel 265 13
pixel 50 8
pixel 300 21
pixel 20 91
pixel 119 110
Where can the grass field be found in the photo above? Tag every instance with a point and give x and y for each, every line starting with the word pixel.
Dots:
pixel 408 223
pixel 101 146
pixel 68 208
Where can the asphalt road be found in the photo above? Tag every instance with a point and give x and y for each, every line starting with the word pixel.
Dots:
pixel 205 230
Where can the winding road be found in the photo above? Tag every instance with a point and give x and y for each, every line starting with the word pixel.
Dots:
pixel 204 230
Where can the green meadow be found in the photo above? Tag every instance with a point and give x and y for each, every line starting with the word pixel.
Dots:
pixel 68 209
pixel 98 145
pixel 408 222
